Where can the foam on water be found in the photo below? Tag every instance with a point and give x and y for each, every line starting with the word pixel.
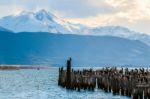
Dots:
pixel 42 84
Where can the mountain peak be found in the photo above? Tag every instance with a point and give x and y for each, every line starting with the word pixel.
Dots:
pixel 25 13
pixel 42 11
pixel 41 20
pixel 43 14
pixel 40 14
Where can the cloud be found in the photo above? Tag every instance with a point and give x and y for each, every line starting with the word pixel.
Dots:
pixel 123 9
pixel 10 10
pixel 78 8
pixel 70 8
pixel 128 13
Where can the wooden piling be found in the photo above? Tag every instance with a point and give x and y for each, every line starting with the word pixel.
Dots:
pixel 68 73
pixel 134 83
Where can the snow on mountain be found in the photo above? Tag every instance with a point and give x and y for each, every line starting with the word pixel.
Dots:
pixel 43 21
pixel 118 31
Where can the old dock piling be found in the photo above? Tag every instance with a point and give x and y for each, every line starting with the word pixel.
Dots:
pixel 68 79
pixel 134 83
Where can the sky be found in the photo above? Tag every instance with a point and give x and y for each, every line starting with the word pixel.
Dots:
pixel 133 14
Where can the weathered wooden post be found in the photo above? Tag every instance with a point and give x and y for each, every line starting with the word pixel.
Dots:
pixel 68 73
pixel 132 83
pixel 59 76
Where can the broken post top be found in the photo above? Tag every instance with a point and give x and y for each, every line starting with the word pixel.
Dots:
pixel 70 59
pixel 69 63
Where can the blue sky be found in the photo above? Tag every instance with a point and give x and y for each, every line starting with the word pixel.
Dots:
pixel 134 14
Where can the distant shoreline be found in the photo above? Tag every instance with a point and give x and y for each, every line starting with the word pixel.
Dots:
pixel 18 67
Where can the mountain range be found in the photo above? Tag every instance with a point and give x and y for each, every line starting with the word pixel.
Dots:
pixel 42 38
pixel 53 49
pixel 44 21
pixel 41 21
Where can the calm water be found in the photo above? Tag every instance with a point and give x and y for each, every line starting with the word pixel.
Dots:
pixel 42 84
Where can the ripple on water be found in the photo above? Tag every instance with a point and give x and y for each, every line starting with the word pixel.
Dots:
pixel 41 84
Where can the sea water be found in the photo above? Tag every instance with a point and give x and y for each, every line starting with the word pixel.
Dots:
pixel 42 84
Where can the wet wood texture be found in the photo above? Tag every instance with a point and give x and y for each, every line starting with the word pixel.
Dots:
pixel 134 83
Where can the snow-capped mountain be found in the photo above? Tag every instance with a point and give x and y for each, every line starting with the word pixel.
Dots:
pixel 110 44
pixel 118 31
pixel 43 21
